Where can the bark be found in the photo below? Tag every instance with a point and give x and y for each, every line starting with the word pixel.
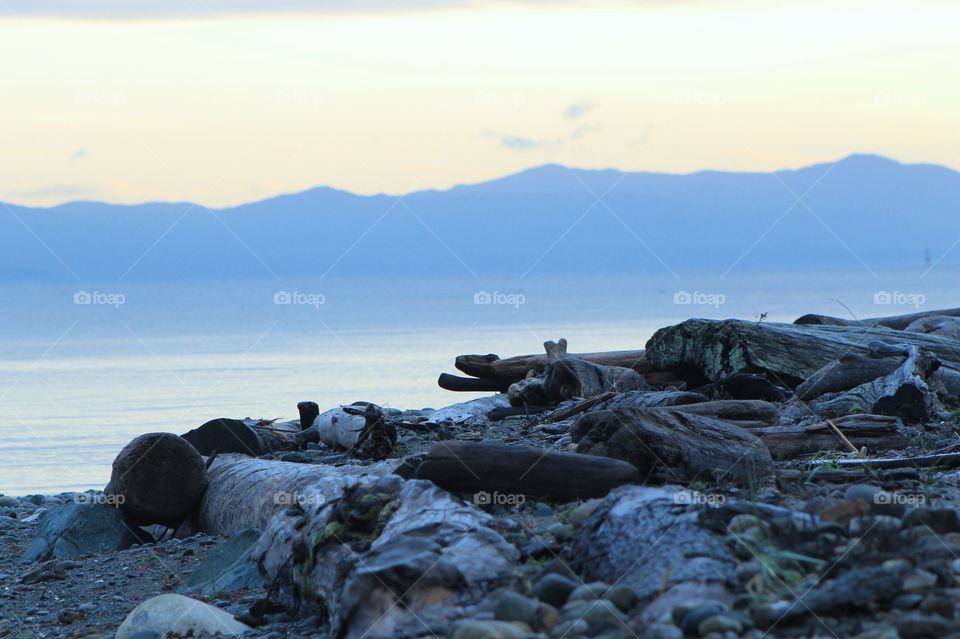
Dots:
pixel 904 393
pixel 845 373
pixel 158 478
pixel 715 349
pixel 875 432
pixel 898 322
pixel 937 325
pixel 245 492
pixel 674 446
pixel 389 558
pixel 490 469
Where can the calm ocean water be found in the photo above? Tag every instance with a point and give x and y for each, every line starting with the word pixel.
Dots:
pixel 85 368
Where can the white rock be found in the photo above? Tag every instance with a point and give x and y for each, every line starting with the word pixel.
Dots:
pixel 181 615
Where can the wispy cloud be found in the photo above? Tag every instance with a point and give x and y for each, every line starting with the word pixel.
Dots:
pixel 578 109
pixel 519 143
pixel 65 191
pixel 79 154
pixel 132 9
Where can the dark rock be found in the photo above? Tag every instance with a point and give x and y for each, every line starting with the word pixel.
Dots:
pixel 690 624
pixel 553 589
pixel 74 530
pixel 623 597
pixel 229 568
pixel 513 606
pixel 919 626
pixel 941 520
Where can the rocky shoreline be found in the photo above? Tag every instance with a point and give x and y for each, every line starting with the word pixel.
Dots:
pixel 735 479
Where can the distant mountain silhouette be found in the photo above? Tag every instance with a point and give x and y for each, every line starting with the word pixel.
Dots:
pixel 545 220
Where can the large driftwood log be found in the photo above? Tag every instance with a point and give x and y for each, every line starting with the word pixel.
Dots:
pixel 387 559
pixel 158 478
pixel 715 349
pixel 245 492
pixel 746 413
pixel 875 432
pixel 673 446
pixel 847 372
pixel 450 382
pixel 487 469
pixel 937 325
pixel 513 369
pixel 898 322
pixel 904 393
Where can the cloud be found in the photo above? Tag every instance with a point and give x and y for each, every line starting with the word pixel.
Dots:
pixel 79 154
pixel 585 129
pixel 49 191
pixel 577 110
pixel 518 143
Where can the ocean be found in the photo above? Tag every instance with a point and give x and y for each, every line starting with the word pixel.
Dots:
pixel 84 368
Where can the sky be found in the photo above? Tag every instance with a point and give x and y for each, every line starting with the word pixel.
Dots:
pixel 222 102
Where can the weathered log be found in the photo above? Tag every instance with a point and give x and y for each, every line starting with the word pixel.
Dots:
pixel 898 322
pixel 875 432
pixel 674 446
pixel 247 436
pixel 338 428
pixel 745 386
pixel 652 399
pixel 244 492
pixel 904 392
pixel 388 559
pixel 513 369
pixel 715 349
pixel 450 382
pixel 579 407
pixel 845 373
pixel 158 478
pixel 937 325
pixel 490 469
pixel 475 409
pixel 378 437
pixel 752 412
pixel 920 461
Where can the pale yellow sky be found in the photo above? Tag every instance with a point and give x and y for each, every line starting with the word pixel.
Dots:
pixel 223 107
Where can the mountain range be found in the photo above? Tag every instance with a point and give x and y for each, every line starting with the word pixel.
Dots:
pixel 861 211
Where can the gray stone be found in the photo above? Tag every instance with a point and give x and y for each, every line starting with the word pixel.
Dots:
pixel 178 615
pixel 513 606
pixel 720 624
pixel 661 631
pixel 229 568
pixel 623 597
pixel 74 530
pixel 589 592
pixel 146 634
pixel 474 629
pixel 553 589
pixel 691 621
pixel 603 615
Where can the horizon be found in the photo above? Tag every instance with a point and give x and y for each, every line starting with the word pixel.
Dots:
pixel 326 186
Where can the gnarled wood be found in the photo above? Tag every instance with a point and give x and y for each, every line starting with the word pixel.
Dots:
pixel 904 392
pixel 716 349
pixel 898 322
pixel 513 369
pixel 673 446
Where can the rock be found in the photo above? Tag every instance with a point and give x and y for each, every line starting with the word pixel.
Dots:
pixel 603 615
pixel 52 570
pixel 158 478
pixel 512 606
pixel 623 597
pixel 553 589
pixel 146 634
pixel 589 592
pixel 919 626
pixel 584 510
pixel 720 624
pixel 69 615
pixel 476 629
pixel 648 539
pixel 690 622
pixel 229 568
pixel 178 614
pixel 941 520
pixel 74 530
pixel 919 581
pixel 8 502
pixel 661 631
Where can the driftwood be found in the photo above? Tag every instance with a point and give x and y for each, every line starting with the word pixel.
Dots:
pixel 674 446
pixel 339 428
pixel 378 436
pixel 898 322
pixel 746 413
pixel 904 392
pixel 875 432
pixel 513 369
pixel 450 382
pixel 847 372
pixel 245 493
pixel 252 437
pixel 921 461
pixel 491 469
pixel 653 399
pixel 937 325
pixel 387 559
pixel 158 478
pixel 712 350
pixel 745 386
